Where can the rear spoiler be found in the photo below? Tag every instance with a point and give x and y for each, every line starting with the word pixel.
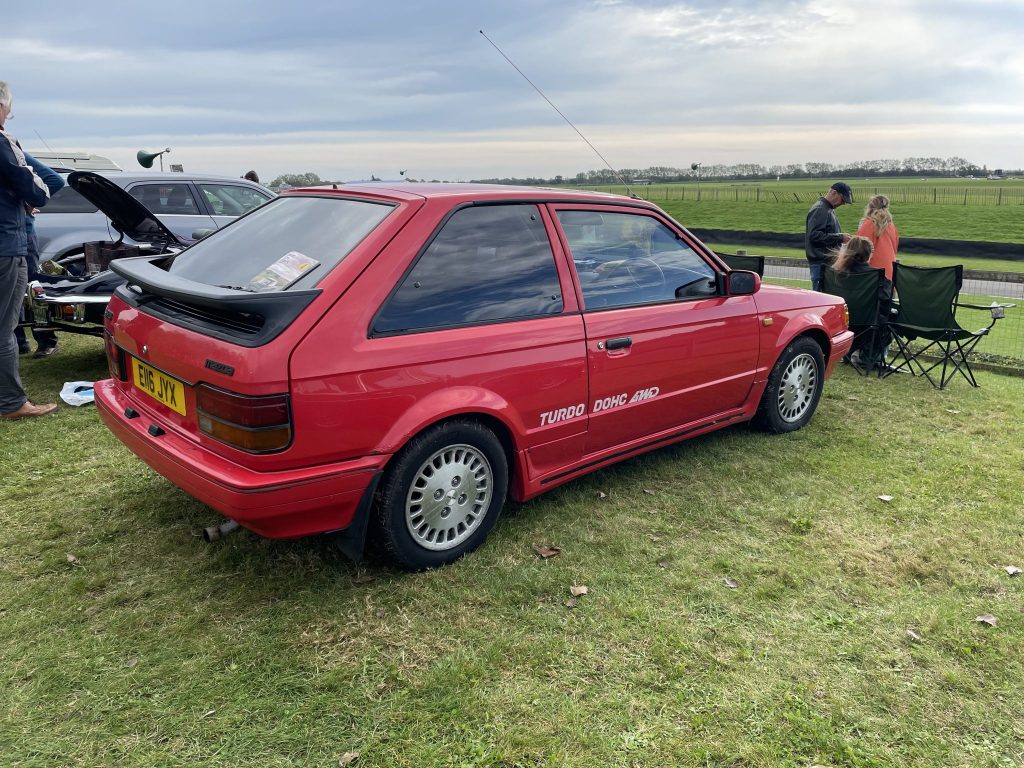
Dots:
pixel 241 317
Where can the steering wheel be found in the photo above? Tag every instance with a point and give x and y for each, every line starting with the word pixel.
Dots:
pixel 643 272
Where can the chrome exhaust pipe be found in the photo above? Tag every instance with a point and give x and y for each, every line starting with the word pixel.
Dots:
pixel 215 532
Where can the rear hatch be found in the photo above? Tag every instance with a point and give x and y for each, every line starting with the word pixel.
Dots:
pixel 203 337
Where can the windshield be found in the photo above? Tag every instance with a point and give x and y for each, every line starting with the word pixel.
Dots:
pixel 289 242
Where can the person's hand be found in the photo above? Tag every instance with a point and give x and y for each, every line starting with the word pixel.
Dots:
pixel 31 210
pixel 846 238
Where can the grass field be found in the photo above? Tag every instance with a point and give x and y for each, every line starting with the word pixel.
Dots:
pixel 736 206
pixel 991 224
pixel 126 641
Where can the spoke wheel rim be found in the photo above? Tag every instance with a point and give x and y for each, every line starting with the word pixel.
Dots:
pixel 796 388
pixel 449 497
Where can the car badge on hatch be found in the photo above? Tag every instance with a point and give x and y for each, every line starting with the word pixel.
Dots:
pixel 227 370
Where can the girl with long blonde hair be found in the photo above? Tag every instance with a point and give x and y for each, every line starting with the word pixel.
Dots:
pixel 877 226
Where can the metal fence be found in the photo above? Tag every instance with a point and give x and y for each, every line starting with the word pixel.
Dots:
pixel 1001 349
pixel 970 196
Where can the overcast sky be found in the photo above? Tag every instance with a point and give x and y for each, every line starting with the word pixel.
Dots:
pixel 349 89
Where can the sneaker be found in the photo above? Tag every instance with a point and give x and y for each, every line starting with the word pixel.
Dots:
pixel 44 352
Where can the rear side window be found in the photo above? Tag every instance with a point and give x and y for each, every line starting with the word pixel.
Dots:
pixel 290 242
pixel 66 200
pixel 231 199
pixel 488 263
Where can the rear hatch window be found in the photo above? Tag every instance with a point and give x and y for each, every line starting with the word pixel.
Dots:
pixel 290 243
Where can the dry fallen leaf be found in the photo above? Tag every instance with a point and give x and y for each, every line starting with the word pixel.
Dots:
pixel 730 583
pixel 577 591
pixel 207 714
pixel 885 498
pixel 914 636
pixel 571 602
pixel 852 397
pixel 72 559
pixel 950 410
pixel 987 618
pixel 663 563
pixel 1013 570
pixel 545 551
pixel 364 578
pixel 648 490
pixel 347 759
pixel 602 495
pixel 131 663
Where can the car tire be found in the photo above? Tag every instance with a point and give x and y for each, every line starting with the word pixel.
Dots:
pixel 794 388
pixel 442 495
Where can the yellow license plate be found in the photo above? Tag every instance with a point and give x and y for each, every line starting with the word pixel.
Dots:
pixel 159 386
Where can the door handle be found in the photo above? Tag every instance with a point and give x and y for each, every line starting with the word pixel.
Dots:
pixel 619 343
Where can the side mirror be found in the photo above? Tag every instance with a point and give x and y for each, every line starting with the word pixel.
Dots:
pixel 199 234
pixel 740 282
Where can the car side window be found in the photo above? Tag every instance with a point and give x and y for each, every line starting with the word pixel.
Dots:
pixel 488 263
pixel 67 200
pixel 624 259
pixel 165 199
pixel 231 199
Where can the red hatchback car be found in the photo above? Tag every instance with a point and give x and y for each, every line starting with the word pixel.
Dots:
pixel 399 360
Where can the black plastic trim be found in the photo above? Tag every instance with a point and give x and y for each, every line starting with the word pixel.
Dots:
pixel 352 540
pixel 277 310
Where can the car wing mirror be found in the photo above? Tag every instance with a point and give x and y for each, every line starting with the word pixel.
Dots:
pixel 199 234
pixel 740 282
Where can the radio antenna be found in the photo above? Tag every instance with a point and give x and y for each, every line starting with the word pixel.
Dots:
pixel 538 90
pixel 42 140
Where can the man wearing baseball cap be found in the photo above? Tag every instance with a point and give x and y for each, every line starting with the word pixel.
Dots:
pixel 823 236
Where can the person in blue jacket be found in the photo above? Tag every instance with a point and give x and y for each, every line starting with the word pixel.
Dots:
pixel 46 341
pixel 21 189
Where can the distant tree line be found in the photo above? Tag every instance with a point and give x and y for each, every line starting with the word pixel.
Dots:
pixel 660 174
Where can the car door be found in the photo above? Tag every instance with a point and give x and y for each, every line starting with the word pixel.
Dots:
pixel 226 202
pixel 175 204
pixel 664 347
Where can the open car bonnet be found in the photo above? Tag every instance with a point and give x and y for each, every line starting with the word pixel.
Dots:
pixel 128 215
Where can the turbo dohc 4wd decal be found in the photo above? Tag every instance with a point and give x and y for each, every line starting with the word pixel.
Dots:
pixel 604 404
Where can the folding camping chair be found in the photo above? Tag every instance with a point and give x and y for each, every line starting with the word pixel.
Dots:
pixel 928 301
pixel 868 314
pixel 743 261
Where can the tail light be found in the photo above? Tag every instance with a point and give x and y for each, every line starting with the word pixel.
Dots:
pixel 115 358
pixel 846 315
pixel 253 424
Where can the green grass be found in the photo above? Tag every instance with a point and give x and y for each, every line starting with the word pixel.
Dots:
pixel 155 649
pixel 989 224
pixel 782 206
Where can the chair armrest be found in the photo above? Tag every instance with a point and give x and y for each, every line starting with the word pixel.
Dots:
pixel 998 309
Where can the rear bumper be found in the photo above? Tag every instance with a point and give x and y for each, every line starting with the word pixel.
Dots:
pixel 283 504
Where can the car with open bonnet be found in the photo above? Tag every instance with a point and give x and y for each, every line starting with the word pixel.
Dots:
pixel 397 360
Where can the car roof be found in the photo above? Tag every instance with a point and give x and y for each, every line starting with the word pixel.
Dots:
pixel 123 178
pixel 470 192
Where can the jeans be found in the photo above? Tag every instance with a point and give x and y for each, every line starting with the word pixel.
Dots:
pixel 817 274
pixel 13 282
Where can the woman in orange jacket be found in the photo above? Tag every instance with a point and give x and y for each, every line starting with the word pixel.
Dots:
pixel 877 227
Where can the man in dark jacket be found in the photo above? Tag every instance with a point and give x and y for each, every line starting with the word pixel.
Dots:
pixel 823 235
pixel 20 190
pixel 46 340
